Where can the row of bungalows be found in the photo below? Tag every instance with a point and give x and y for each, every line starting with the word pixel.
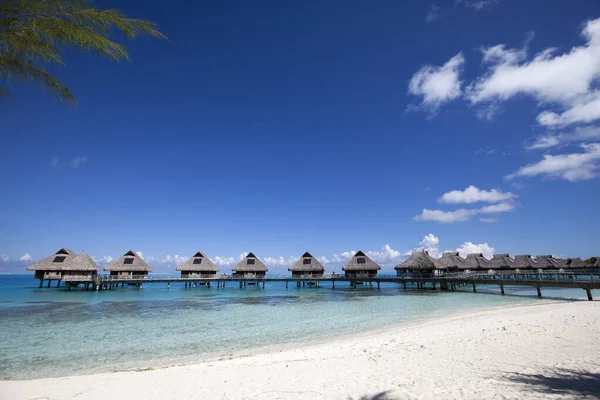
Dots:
pixel 65 265
pixel 421 264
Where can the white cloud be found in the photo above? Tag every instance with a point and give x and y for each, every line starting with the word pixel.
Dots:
pixel 54 162
pixel 461 215
pixel 583 110
pixel 444 217
pixel 343 257
pixel 469 248
pixel 437 85
pixel 550 78
pixel 243 255
pixel 146 258
pixel 488 220
pixel 435 12
pixel 572 167
pixel 579 134
pixel 172 261
pixel 323 260
pixel 386 257
pixel 279 261
pixel 104 260
pixel 473 195
pixel 4 258
pixel 77 161
pixel 477 4
pixel 224 261
pixel 26 257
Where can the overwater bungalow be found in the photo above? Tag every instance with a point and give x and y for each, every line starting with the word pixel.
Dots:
pixel 307 266
pixel 419 265
pixel 80 269
pixel 130 266
pixel 198 266
pixel 50 268
pixel 524 262
pixel 250 267
pixel 360 266
pixel 452 261
pixel 546 261
pixel 500 262
pixel 575 263
pixel 476 262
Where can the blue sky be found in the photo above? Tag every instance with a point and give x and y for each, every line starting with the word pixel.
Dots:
pixel 330 126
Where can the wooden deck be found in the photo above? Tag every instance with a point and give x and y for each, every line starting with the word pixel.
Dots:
pixel 584 279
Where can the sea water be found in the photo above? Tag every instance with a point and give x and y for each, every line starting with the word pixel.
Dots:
pixel 49 332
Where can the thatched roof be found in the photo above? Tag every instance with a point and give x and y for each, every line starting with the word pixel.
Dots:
pixel 250 263
pixel 451 259
pixel 545 261
pixel 198 263
pixel 500 261
pixel 129 262
pixel 56 262
pixel 419 260
pixel 575 263
pixel 476 261
pixel 361 262
pixel 81 262
pixel 523 261
pixel 307 263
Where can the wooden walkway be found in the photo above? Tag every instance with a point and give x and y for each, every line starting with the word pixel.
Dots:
pixel 585 279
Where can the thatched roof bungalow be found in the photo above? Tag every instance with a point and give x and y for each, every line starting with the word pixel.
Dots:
pixel 80 269
pixel 307 266
pixel 575 263
pixel 130 265
pixel 546 261
pixel 452 261
pixel 524 262
pixel 250 267
pixel 476 262
pixel 50 268
pixel 500 262
pixel 419 265
pixel 198 266
pixel 361 266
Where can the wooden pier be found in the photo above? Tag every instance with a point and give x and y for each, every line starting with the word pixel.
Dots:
pixel 585 279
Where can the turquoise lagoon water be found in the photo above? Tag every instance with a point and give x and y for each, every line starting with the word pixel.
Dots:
pixel 51 332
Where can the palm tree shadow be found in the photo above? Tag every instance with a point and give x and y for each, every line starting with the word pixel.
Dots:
pixel 561 381
pixel 378 396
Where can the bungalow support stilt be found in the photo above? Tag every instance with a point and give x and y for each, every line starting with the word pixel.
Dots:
pixel 474 288
pixel 589 294
pixel 539 291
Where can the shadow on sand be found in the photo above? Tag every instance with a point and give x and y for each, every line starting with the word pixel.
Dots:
pixel 378 396
pixel 559 381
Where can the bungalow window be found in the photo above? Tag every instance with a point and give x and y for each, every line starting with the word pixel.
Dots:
pixel 197 261
pixel 59 259
pixel 361 260
pixel 307 261
pixel 128 261
pixel 250 261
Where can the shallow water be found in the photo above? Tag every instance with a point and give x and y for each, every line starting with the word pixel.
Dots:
pixel 51 332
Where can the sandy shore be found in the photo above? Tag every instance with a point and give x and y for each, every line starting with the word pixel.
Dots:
pixel 547 350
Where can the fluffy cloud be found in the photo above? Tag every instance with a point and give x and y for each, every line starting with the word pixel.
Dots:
pixel 386 257
pixel 4 258
pixel 572 167
pixel 104 260
pixel 474 195
pixel 172 261
pixel 460 215
pixel 579 134
pixel 438 85
pixel 146 258
pixel 343 257
pixel 548 77
pixel 582 110
pixel 469 248
pixel 488 220
pixel 279 261
pixel 224 261
pixel 25 257
pixel 77 161
pixel 435 12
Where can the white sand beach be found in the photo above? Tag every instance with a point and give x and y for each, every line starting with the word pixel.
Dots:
pixel 546 350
